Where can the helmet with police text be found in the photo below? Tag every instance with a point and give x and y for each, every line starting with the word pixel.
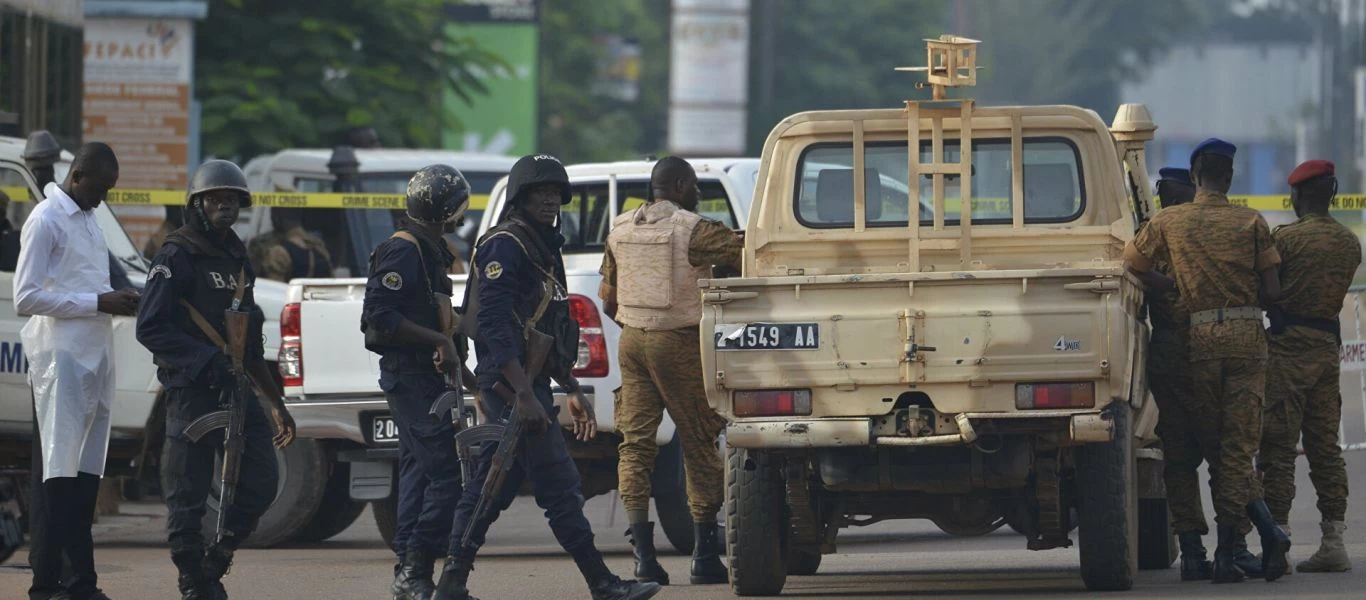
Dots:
pixel 536 170
pixel 216 175
pixel 437 194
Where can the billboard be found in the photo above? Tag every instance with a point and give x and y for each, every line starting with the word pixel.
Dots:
pixel 505 120
pixel 137 100
pixel 708 77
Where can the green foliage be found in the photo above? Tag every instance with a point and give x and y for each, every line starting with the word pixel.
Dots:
pixel 274 74
pixel 578 125
pixel 814 54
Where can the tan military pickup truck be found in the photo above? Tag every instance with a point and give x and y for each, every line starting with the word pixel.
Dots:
pixel 893 352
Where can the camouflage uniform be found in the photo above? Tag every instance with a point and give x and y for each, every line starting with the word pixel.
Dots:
pixel 663 370
pixel 1217 251
pixel 273 255
pixel 1169 379
pixel 1320 257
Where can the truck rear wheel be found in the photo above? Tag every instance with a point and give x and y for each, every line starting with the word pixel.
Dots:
pixel 303 478
pixel 803 560
pixel 756 530
pixel 669 488
pixel 1157 547
pixel 1107 499
pixel 337 511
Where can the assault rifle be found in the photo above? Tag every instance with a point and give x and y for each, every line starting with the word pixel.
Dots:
pixel 232 418
pixel 508 436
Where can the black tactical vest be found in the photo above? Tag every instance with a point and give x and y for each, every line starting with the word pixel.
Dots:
pixel 217 274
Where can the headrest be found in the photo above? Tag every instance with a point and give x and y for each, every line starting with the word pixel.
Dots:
pixel 835 195
pixel 1050 190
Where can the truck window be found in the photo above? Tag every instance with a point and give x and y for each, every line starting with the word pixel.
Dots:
pixel 9 230
pixel 584 221
pixel 1054 191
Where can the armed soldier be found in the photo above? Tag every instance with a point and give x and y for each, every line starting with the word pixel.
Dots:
pixel 200 320
pixel 1224 262
pixel 652 291
pixel 289 251
pixel 1169 379
pixel 406 319
pixel 1319 259
pixel 516 298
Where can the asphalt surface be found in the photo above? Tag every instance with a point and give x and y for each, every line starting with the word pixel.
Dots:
pixel 896 559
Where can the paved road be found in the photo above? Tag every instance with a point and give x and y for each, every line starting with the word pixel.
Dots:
pixel 889 560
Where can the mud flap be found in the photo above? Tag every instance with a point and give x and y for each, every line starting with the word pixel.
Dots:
pixel 371 480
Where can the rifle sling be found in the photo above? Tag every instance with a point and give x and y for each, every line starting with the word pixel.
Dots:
pixel 203 323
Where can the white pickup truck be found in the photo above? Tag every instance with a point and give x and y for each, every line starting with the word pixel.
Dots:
pixel 331 380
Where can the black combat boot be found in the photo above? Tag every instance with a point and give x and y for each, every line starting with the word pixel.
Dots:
pixel 1225 571
pixel 1275 543
pixel 193 583
pixel 217 563
pixel 706 556
pixel 414 580
pixel 1194 565
pixel 455 574
pixel 612 587
pixel 603 585
pixel 1250 564
pixel 642 538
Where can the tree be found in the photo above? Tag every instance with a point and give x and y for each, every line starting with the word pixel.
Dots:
pixel 579 125
pixel 274 74
pixel 813 54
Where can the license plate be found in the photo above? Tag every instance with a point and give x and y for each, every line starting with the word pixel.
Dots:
pixel 383 430
pixel 768 336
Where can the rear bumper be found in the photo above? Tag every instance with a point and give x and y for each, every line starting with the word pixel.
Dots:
pixel 1082 428
pixel 342 418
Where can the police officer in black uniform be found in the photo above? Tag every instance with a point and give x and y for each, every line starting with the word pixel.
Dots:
pixel 518 272
pixel 201 266
pixel 401 323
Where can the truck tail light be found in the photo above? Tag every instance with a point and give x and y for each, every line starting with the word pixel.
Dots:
pixel 772 403
pixel 291 358
pixel 1080 394
pixel 592 361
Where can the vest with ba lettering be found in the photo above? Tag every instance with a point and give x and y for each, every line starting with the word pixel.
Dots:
pixel 656 284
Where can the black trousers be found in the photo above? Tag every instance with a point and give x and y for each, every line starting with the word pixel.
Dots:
pixel 61 512
pixel 188 471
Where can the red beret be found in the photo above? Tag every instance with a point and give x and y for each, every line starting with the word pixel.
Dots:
pixel 1310 169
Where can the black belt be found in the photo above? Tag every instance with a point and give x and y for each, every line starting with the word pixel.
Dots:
pixel 1325 325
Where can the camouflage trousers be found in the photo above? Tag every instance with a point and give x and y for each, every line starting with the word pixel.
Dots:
pixel 663 370
pixel 1303 399
pixel 1169 379
pixel 1227 409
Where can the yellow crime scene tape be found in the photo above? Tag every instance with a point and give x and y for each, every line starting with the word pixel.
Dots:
pixel 272 199
pixel 1344 202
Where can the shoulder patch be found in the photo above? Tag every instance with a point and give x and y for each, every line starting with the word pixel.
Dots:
pixel 392 280
pixel 162 270
pixel 493 270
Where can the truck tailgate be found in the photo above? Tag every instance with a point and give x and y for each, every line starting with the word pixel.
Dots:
pixel 962 338
pixel 335 360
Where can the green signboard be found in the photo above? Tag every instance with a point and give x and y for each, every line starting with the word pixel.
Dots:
pixel 504 121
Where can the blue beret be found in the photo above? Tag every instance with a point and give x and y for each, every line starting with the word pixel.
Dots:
pixel 1175 174
pixel 1214 146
